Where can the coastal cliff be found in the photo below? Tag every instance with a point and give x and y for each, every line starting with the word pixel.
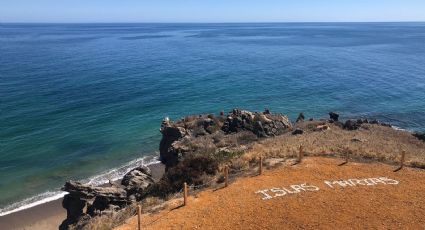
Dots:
pixel 195 148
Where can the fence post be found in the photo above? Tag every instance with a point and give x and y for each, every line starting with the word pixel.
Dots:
pixel 261 165
pixel 139 213
pixel 226 176
pixel 185 193
pixel 300 154
pixel 346 155
pixel 403 156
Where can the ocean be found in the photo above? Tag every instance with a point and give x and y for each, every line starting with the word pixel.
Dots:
pixel 85 101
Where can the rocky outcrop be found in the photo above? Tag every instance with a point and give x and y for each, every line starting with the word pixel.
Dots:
pixel 89 192
pixel 74 206
pixel 262 124
pixel 297 132
pixel 352 125
pixel 98 199
pixel 333 116
pixel 137 181
pixel 356 124
pixel 170 134
pixel 420 136
pixel 176 136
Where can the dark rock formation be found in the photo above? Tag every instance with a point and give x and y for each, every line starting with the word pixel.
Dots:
pixel 333 116
pixel 170 134
pixel 137 181
pixel 176 135
pixel 356 124
pixel 300 118
pixel 297 132
pixel 97 199
pixel 420 136
pixel 74 206
pixel 89 192
pixel 351 125
pixel 262 124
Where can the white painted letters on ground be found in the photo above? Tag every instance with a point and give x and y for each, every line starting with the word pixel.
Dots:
pixel 292 189
pixel 268 194
pixel 361 182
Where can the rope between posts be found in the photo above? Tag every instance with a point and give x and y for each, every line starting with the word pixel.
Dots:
pixel 208 183
pixel 174 196
pixel 204 184
pixel 181 190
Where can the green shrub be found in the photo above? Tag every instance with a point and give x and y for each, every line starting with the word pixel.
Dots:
pixel 194 169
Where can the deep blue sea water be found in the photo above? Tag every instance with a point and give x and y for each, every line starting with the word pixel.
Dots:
pixel 77 100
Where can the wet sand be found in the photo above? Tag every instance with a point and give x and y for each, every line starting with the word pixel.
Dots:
pixel 41 217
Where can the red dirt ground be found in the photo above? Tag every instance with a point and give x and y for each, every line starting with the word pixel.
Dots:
pixel 381 205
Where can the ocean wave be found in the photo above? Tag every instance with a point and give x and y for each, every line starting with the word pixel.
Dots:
pixel 111 175
pixel 32 202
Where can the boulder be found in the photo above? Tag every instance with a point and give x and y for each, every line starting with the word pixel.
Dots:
pixel 170 134
pixel 137 181
pixel 86 192
pixel 262 124
pixel 74 206
pixel 420 136
pixel 81 196
pixel 333 116
pixel 297 132
pixel 351 125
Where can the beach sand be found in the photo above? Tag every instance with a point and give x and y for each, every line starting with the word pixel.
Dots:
pixel 50 215
pixel 381 205
pixel 41 217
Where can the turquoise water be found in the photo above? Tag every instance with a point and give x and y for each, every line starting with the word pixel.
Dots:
pixel 77 100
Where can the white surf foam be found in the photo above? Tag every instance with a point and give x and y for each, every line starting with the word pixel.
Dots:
pixel 111 175
pixel 400 129
pixel 32 201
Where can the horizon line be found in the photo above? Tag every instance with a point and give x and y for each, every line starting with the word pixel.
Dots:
pixel 242 22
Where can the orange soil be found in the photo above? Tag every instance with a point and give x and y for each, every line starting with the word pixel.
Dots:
pixel 379 206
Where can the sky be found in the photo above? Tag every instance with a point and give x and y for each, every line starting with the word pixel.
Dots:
pixel 78 11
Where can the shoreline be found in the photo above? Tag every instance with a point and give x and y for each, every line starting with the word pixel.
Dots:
pixel 100 180
pixel 50 214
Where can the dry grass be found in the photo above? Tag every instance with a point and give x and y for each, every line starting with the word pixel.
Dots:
pixel 110 220
pixel 373 142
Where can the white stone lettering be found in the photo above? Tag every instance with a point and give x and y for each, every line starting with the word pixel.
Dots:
pixel 278 192
pixel 292 189
pixel 388 181
pixel 361 182
pixel 310 188
pixel 266 196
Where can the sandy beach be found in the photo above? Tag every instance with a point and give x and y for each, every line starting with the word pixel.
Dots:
pixel 42 217
pixel 49 215
pixel 318 193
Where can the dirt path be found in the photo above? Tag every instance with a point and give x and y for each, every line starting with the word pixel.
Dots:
pixel 306 196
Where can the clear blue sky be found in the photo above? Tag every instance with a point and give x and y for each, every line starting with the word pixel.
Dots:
pixel 210 10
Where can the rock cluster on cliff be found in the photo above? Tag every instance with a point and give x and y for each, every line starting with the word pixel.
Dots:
pixel 178 137
pixel 85 201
